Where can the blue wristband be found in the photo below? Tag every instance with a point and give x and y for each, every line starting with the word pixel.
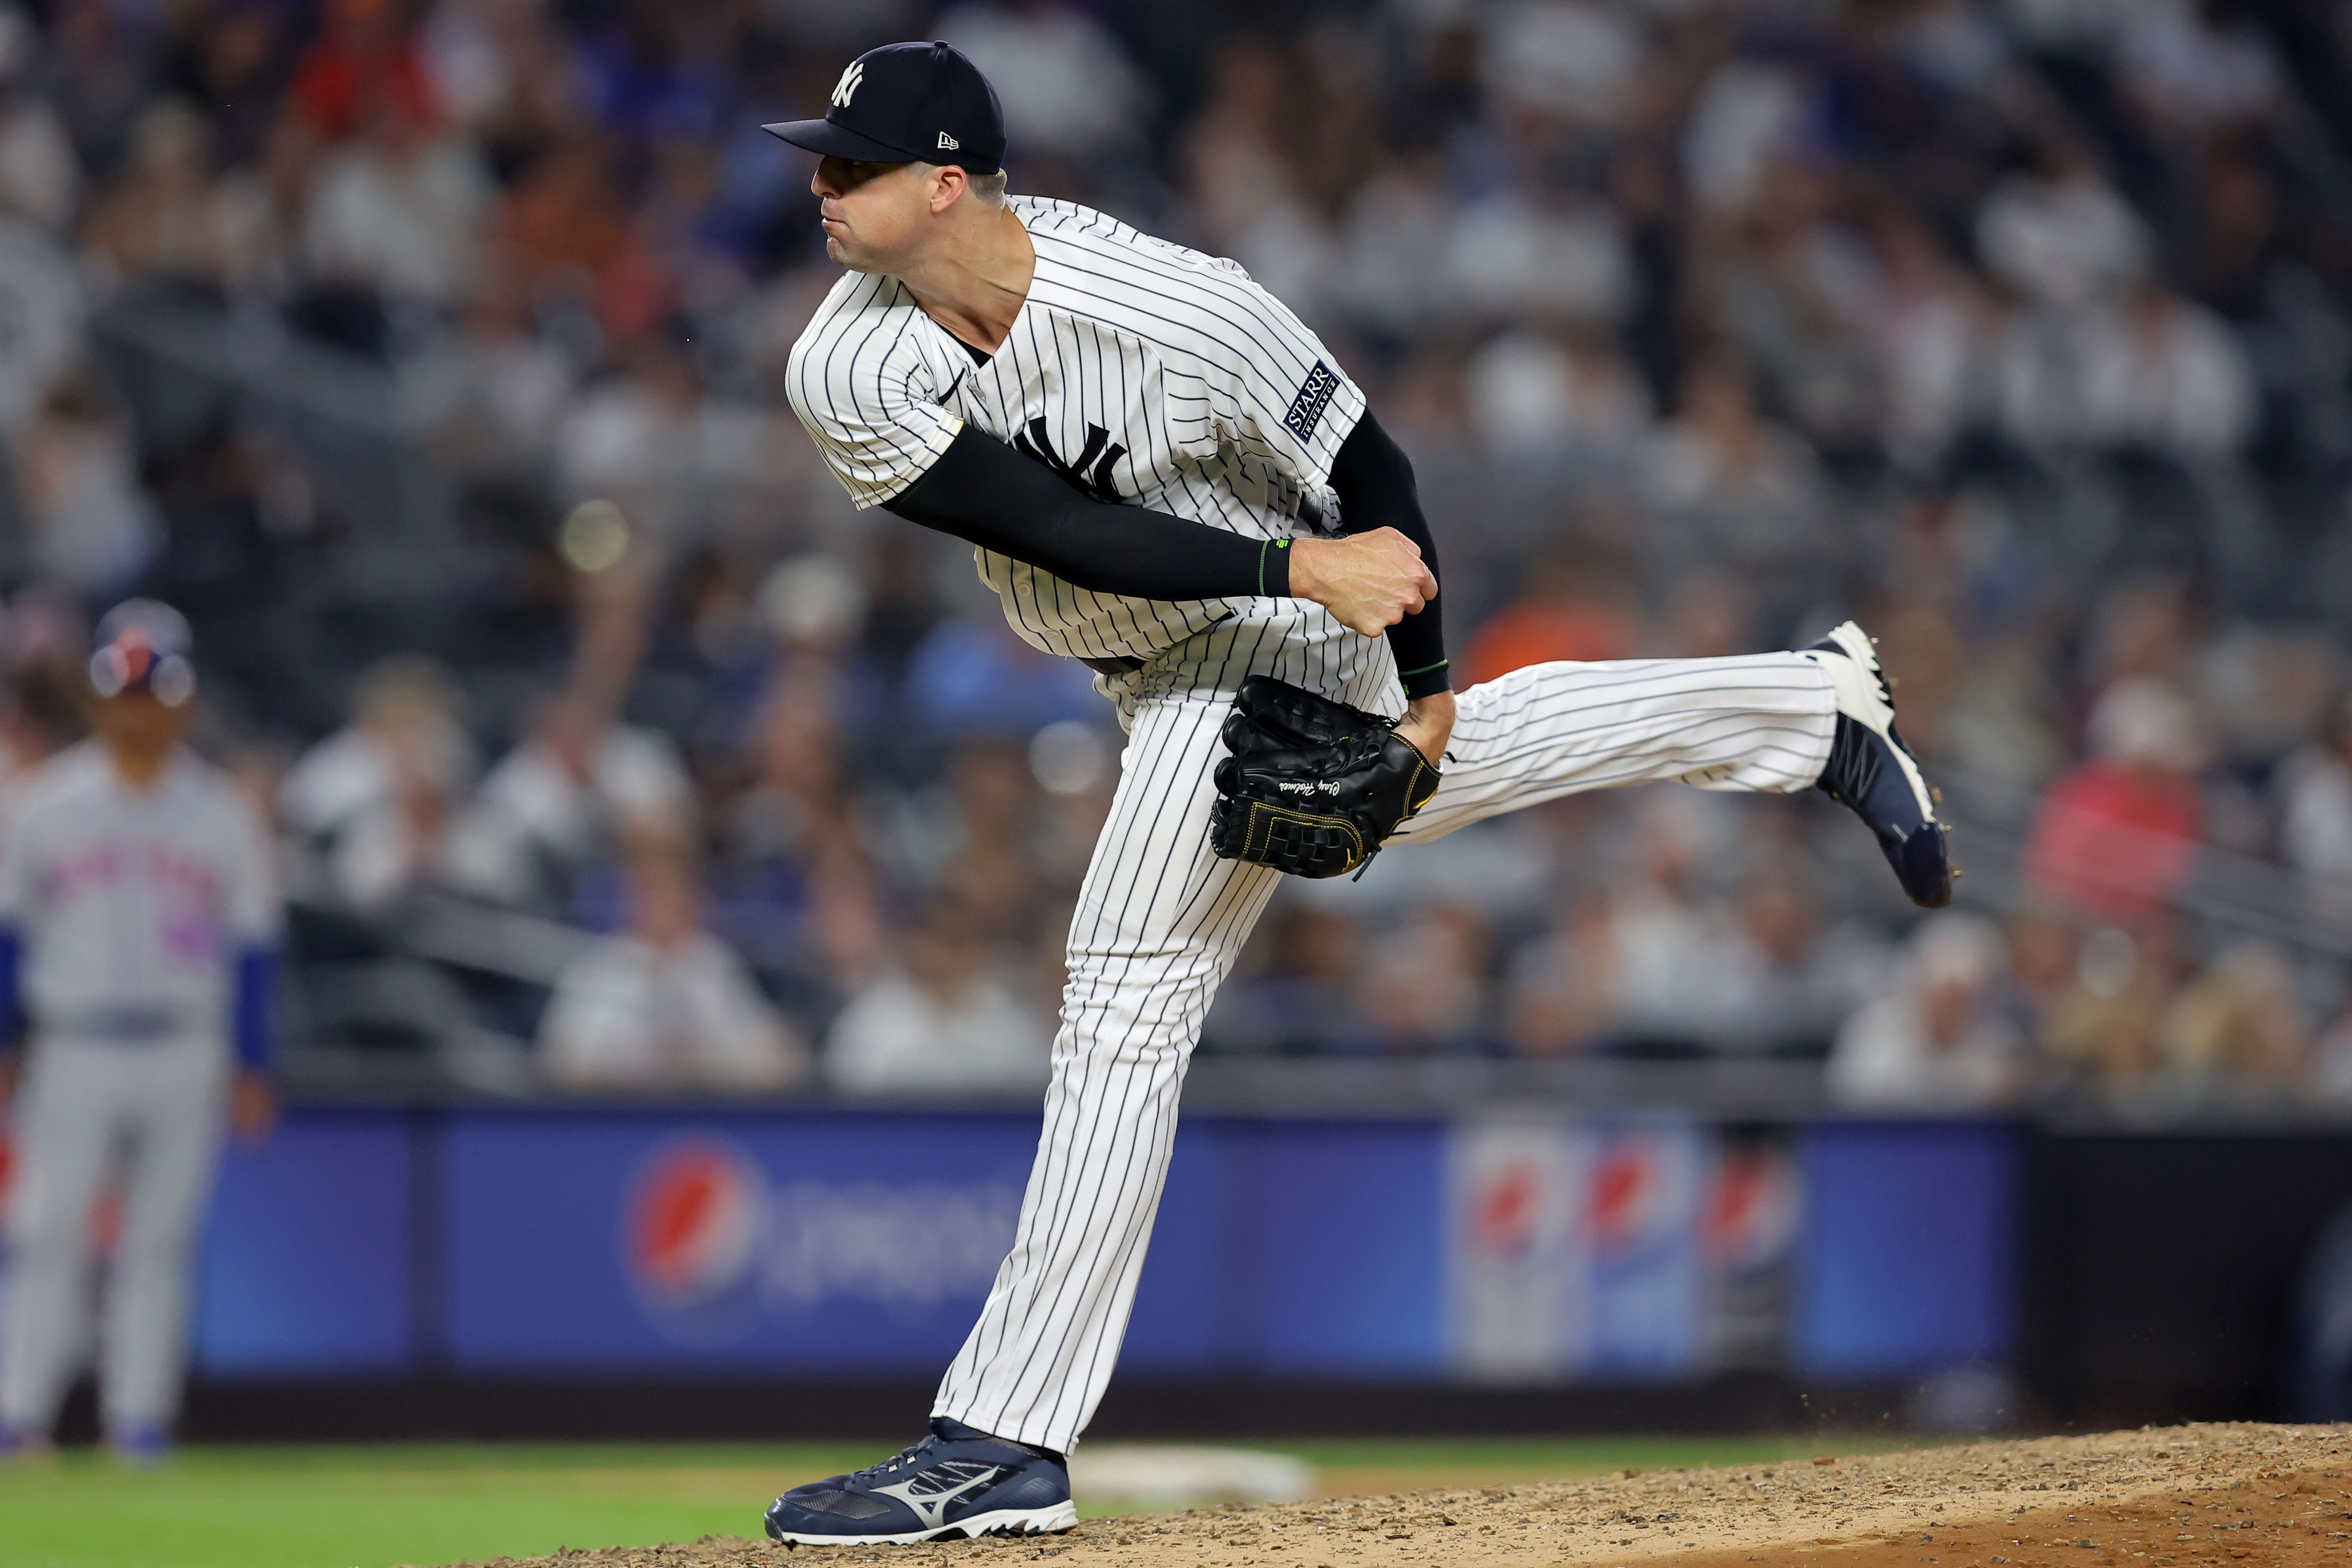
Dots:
pixel 257 985
pixel 12 959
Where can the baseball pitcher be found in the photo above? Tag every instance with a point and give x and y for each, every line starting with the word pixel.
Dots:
pixel 138 919
pixel 1163 473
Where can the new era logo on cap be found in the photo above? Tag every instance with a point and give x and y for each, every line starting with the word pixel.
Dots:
pixel 907 103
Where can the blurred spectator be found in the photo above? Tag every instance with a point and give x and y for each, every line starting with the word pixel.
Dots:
pixel 1568 392
pixel 2110 1025
pixel 396 210
pixel 1783 285
pixel 1514 256
pixel 946 1021
pixel 983 836
pixel 1747 116
pixel 1235 169
pixel 1999 726
pixel 1618 970
pixel 1937 1040
pixel 561 799
pixel 489 395
pixel 2118 834
pixel 1395 242
pixel 45 712
pixel 2044 962
pixel 1710 615
pixel 2167 374
pixel 977 676
pixel 93 527
pixel 2332 1061
pixel 652 443
pixel 1751 488
pixel 98 74
pixel 41 301
pixel 365 63
pixel 1572 60
pixel 664 1005
pixel 1424 983
pixel 1577 603
pixel 374 801
pixel 2239 1021
pixel 1792 975
pixel 1927 323
pixel 563 227
pixel 166 215
pixel 1067 88
pixel 1562 995
pixel 232 57
pixel 1297 993
pixel 2314 788
pixel 2188 66
pixel 39 177
pixel 2063 238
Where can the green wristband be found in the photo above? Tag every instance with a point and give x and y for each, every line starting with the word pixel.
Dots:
pixel 1262 549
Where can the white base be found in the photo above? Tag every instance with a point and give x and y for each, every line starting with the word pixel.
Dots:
pixel 1052 1520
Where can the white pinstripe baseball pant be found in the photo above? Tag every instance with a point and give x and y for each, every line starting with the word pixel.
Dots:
pixel 1160 920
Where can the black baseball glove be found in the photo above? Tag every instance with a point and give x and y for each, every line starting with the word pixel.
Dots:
pixel 1313 785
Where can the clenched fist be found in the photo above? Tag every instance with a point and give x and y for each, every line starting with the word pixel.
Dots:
pixel 1369 581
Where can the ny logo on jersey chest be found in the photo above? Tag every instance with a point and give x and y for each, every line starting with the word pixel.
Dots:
pixel 1089 470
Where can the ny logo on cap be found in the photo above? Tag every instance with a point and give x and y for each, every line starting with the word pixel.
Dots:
pixel 948 142
pixel 846 88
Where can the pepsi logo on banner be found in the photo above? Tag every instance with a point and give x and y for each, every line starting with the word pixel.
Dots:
pixel 1626 1192
pixel 1752 1209
pixel 690 1222
pixel 715 1244
pixel 1502 1209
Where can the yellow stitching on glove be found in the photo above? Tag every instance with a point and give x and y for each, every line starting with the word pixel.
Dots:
pixel 1259 843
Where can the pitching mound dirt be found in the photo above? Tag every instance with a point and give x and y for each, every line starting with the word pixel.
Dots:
pixel 2181 1497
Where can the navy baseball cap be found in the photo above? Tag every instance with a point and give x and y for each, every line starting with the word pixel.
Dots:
pixel 906 103
pixel 144 644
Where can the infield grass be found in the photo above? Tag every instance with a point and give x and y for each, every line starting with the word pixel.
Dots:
pixel 374 1507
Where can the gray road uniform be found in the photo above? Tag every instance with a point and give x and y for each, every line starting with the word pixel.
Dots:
pixel 139 922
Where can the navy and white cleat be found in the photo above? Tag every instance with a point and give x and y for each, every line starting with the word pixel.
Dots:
pixel 1873 774
pixel 955 1483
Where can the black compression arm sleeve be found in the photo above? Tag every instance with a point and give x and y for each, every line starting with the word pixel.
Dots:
pixel 983 491
pixel 1374 482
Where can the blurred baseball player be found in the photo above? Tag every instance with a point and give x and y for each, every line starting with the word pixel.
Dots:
pixel 1166 475
pixel 138 921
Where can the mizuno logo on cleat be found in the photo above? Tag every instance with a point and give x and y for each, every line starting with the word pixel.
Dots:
pixel 941 1485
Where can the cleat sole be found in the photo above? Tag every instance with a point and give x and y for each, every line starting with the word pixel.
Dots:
pixel 1049 1520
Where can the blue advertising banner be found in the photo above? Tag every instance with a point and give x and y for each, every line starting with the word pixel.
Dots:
pixel 1908 1255
pixel 849 1243
pixel 306 1264
pixel 1657 1248
pixel 1518 1249
pixel 865 1244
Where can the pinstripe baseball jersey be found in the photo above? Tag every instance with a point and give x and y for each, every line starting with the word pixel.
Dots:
pixel 1140 371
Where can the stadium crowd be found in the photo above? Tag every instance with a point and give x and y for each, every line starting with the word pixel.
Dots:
pixel 426 354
